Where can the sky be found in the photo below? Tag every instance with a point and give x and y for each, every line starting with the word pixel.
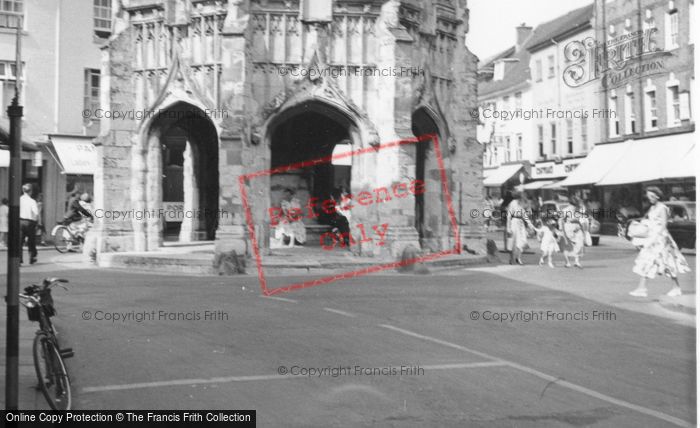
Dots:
pixel 492 22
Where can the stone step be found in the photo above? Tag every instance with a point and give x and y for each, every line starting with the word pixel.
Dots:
pixel 201 263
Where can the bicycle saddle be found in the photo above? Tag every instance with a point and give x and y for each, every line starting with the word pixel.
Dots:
pixel 51 280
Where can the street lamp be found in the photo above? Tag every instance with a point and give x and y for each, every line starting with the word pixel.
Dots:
pixel 14 245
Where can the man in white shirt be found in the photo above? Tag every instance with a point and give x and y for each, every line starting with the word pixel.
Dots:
pixel 28 219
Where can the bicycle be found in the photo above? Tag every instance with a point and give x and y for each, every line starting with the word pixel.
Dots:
pixel 66 239
pixel 48 357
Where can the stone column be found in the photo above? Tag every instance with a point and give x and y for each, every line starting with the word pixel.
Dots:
pixel 234 138
pixel 393 124
pixel 138 192
pixel 154 194
pixel 190 222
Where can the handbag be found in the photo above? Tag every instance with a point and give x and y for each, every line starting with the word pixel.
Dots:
pixel 638 229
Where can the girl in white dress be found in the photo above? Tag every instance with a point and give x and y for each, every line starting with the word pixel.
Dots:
pixel 547 234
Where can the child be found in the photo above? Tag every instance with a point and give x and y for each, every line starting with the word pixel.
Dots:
pixel 547 234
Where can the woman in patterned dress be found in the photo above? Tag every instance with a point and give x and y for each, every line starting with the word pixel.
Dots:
pixel 570 224
pixel 660 254
pixel 517 224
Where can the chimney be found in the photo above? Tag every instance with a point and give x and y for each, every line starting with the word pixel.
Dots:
pixel 522 32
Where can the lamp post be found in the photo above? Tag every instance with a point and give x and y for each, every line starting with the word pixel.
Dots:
pixel 14 245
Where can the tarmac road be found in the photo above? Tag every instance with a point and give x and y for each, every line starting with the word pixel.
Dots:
pixel 484 346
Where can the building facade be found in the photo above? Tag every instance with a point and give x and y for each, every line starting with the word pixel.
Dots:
pixel 646 74
pixel 231 88
pixel 61 62
pixel 504 93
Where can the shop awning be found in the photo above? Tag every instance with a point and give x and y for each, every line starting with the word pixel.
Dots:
pixel 599 161
pixel 502 174
pixel 74 154
pixel 535 185
pixel 651 159
pixel 4 158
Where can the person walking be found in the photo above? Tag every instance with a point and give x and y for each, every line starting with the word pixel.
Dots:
pixel 659 254
pixel 28 219
pixel 517 223
pixel 4 214
pixel 573 240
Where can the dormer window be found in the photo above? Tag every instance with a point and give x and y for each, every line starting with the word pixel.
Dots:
pixel 499 70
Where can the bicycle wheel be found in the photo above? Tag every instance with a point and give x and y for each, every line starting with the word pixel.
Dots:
pixel 62 239
pixel 51 372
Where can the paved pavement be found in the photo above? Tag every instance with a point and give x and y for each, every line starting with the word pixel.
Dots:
pixel 630 363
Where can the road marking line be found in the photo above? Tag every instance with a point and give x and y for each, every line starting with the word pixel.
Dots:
pixel 179 382
pixel 339 312
pixel 574 387
pixel 231 379
pixel 465 365
pixel 281 299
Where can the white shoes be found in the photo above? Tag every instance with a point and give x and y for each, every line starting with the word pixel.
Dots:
pixel 675 292
pixel 639 292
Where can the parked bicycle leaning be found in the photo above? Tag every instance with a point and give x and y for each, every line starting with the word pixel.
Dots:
pixel 51 371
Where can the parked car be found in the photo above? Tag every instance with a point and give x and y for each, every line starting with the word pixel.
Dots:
pixel 553 209
pixel 681 223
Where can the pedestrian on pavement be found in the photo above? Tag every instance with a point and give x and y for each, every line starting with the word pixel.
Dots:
pixel 28 219
pixel 659 254
pixel 547 233
pixel 573 240
pixel 517 224
pixel 4 214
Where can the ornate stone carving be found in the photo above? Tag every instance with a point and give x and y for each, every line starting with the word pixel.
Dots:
pixel 314 84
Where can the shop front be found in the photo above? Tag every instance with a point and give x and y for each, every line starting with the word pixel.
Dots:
pixel 69 165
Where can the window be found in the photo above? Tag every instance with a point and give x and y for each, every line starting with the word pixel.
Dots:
pixel 672 29
pixel 499 70
pixel 569 136
pixel 674 106
pixel 652 112
pixel 538 70
pixel 8 78
pixel 518 100
pixel 630 117
pixel 553 129
pixel 550 66
pixel 507 149
pixel 613 121
pixel 519 149
pixel 91 93
pixel 540 139
pixel 102 11
pixel 506 102
pixel 11 13
pixel 584 134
